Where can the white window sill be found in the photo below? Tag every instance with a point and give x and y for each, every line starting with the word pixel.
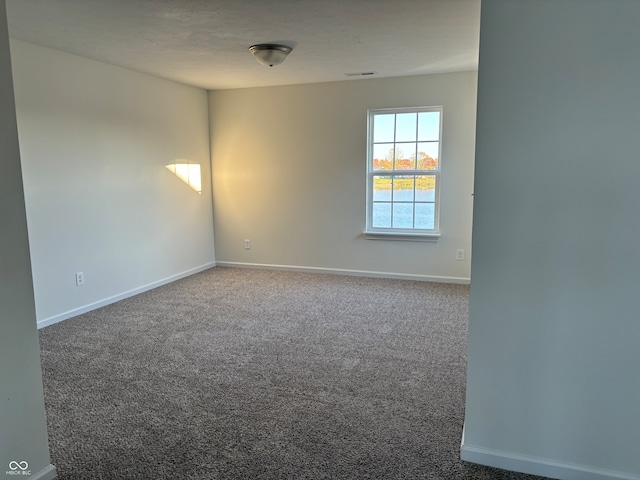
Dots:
pixel 405 236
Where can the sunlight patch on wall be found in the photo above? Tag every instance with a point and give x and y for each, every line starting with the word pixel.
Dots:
pixel 188 172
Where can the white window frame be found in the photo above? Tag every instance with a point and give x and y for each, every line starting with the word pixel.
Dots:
pixel 394 233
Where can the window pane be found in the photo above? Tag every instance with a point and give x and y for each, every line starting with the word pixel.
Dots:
pixel 383 128
pixel 381 215
pixel 404 169
pixel 383 156
pixel 381 189
pixel 426 188
pixel 406 127
pixel 403 186
pixel 403 215
pixel 428 156
pixel 425 216
pixel 405 156
pixel 429 126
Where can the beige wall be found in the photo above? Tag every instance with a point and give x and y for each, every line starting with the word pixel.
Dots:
pixel 289 168
pixel 553 386
pixel 23 428
pixel 95 140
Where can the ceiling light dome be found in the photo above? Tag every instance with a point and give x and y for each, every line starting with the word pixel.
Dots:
pixel 269 54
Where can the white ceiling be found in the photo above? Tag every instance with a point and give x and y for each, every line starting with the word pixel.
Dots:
pixel 205 42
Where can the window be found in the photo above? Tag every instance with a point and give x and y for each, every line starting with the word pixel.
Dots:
pixel 403 171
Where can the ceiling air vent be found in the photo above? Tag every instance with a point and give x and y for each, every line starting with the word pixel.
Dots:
pixel 360 74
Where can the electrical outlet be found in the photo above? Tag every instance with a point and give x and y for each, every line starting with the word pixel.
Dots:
pixel 460 254
pixel 79 279
pixel 247 244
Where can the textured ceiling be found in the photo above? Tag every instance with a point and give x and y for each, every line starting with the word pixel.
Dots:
pixel 205 42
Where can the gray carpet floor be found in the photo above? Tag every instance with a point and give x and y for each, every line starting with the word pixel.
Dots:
pixel 256 374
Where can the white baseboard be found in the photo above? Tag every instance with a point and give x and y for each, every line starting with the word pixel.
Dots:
pixel 355 273
pixel 538 466
pixel 47 473
pixel 116 298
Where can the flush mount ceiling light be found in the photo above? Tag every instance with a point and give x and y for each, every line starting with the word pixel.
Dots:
pixel 269 54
